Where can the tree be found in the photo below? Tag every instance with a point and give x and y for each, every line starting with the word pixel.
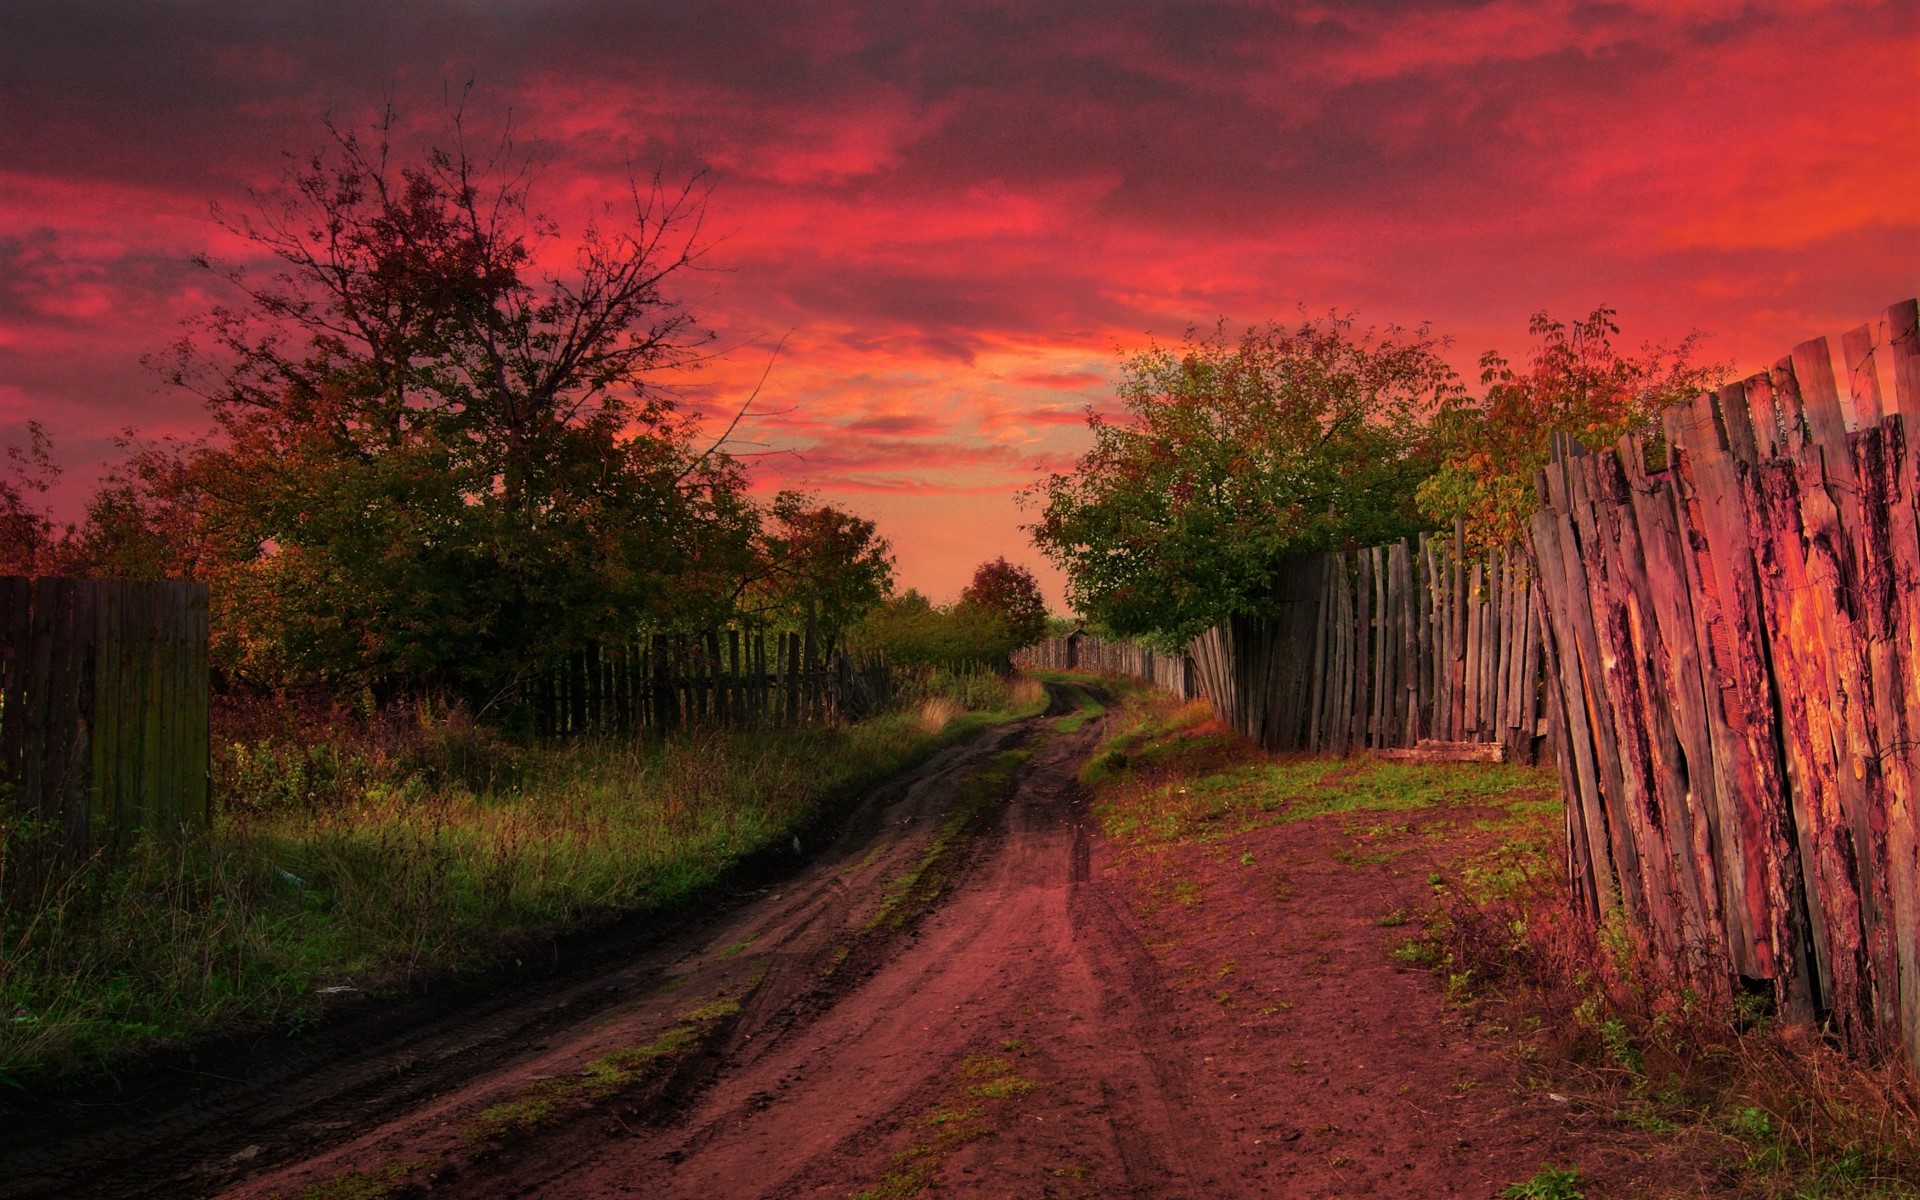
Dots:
pixel 29 541
pixel 815 560
pixel 911 631
pixel 1233 455
pixel 1012 593
pixel 1577 383
pixel 444 454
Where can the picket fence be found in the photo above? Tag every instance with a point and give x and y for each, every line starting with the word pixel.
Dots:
pixel 1733 652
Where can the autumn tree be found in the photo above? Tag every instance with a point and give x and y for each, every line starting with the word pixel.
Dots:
pixel 1010 592
pixel 1575 382
pixel 1232 455
pixel 444 449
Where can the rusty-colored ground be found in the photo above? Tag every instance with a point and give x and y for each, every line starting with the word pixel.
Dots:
pixel 1216 1020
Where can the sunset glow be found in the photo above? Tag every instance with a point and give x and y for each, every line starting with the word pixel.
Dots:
pixel 952 219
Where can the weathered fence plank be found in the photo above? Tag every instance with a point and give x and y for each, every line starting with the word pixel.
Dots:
pixel 104 706
pixel 1741 633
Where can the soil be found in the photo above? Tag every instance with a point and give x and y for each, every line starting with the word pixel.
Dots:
pixel 1035 1016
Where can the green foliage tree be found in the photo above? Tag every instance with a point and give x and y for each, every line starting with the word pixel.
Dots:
pixel 818 561
pixel 1234 454
pixel 1575 382
pixel 443 454
pixel 911 631
pixel 1013 593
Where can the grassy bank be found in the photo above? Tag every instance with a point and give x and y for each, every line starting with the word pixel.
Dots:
pixel 356 862
pixel 1762 1108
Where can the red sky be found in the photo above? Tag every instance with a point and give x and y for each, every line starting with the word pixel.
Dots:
pixel 959 214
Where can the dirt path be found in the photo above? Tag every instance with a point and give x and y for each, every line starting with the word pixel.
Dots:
pixel 1006 1013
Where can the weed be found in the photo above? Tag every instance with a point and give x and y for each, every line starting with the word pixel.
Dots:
pixel 1548 1183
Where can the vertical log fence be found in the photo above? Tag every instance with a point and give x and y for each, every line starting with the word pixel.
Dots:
pixel 1383 648
pixel 1081 651
pixel 1733 651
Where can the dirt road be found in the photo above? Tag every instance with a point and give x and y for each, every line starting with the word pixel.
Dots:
pixel 962 989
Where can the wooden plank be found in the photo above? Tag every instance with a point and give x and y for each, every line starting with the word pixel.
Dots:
pixel 1406 731
pixel 1460 603
pixel 1863 381
pixel 1595 660
pixel 1655 634
pixel 1888 553
pixel 1470 657
pixel 199 621
pixel 1376 596
pixel 1903 350
pixel 1430 751
pixel 1811 371
pixel 1428 626
pixel 1317 685
pixel 16 647
pixel 1784 918
pixel 1819 668
pixel 1531 667
pixel 1594 872
pixel 40 684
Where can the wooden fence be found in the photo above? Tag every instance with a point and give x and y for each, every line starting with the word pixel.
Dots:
pixel 103 705
pixel 730 677
pixel 1382 648
pixel 1081 651
pixel 1735 671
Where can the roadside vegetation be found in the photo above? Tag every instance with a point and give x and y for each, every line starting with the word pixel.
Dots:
pixel 1770 1110
pixel 371 858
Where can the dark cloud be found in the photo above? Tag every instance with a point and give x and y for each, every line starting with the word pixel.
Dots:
pixel 958 211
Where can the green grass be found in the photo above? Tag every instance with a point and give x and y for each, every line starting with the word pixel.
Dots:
pixel 1169 804
pixel 1086 708
pixel 344 866
pixel 1548 1183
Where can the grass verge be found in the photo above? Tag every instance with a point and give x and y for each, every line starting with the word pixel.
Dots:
pixel 339 865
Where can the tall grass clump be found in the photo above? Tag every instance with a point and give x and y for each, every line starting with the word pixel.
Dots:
pixel 374 854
